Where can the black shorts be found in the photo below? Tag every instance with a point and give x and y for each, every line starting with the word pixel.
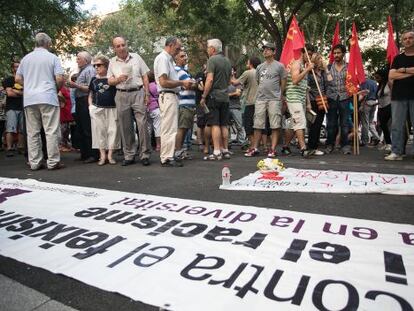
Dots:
pixel 201 117
pixel 248 119
pixel 219 113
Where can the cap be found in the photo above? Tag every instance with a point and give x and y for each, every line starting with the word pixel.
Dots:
pixel 269 45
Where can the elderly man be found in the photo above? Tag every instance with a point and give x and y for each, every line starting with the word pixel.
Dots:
pixel 128 72
pixel 42 75
pixel 169 86
pixel 83 119
pixel 402 95
pixel 216 97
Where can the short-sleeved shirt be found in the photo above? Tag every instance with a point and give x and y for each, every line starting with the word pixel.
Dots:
pixel 134 66
pixel 84 78
pixel 313 88
pixel 2 105
pixel 372 87
pixel 220 67
pixel 39 70
pixel 164 65
pixel 234 100
pixel 269 77
pixel 186 98
pixel 336 89
pixel 153 104
pixel 403 88
pixel 103 94
pixel 13 103
pixel 249 83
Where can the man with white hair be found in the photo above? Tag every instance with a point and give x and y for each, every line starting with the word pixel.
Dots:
pixel 83 119
pixel 169 85
pixel 216 97
pixel 41 75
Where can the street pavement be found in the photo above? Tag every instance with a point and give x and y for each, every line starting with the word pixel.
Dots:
pixel 197 180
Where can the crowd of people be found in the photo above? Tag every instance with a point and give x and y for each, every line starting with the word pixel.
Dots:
pixel 121 106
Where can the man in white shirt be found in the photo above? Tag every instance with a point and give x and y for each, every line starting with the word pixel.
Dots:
pixel 128 73
pixel 41 75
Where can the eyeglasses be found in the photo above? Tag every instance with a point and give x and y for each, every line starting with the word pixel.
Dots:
pixel 97 65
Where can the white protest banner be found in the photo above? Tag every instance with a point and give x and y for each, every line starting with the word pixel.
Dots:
pixel 303 180
pixel 193 255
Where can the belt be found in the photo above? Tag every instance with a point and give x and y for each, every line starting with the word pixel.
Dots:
pixel 130 90
pixel 167 91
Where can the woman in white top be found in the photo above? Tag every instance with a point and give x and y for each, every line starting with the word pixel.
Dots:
pixel 384 106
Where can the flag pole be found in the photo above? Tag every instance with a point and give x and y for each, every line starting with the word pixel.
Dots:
pixel 356 125
pixel 354 118
pixel 316 81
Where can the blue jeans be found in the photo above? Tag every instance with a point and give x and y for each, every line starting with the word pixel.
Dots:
pixel 236 114
pixel 338 109
pixel 399 109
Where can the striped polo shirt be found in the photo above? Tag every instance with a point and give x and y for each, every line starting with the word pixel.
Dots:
pixel 187 98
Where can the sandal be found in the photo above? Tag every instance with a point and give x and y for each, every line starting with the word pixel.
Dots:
pixel 101 162
pixel 111 161
pixel 226 155
pixel 213 157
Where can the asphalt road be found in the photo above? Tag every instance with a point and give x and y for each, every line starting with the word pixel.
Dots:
pixel 199 180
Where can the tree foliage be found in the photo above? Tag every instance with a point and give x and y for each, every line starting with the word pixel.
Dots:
pixel 129 23
pixel 197 21
pixel 21 20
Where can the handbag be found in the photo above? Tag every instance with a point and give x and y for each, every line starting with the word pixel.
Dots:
pixel 319 102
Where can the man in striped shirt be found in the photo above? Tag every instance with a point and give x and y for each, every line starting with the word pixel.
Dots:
pixel 186 105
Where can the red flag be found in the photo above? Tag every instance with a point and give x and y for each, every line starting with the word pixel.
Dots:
pixel 293 44
pixel 392 49
pixel 335 40
pixel 355 75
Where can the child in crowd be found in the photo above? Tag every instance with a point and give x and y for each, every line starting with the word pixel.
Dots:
pixel 65 118
pixel 153 109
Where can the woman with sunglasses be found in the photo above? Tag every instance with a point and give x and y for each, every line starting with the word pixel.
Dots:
pixel 102 109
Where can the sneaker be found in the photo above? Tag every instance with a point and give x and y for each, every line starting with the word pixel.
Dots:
pixel 329 149
pixel 172 163
pixel 271 154
pixel 387 148
pixel 318 152
pixel 306 153
pixel 252 152
pixel 346 149
pixel 393 157
pixel 373 143
pixel 245 146
pixel 9 153
pixel 57 166
pixel 286 150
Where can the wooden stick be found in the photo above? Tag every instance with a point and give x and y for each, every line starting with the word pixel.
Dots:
pixel 316 81
pixel 354 118
pixel 356 122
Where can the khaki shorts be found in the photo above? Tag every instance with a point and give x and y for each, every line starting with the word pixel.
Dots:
pixel 298 119
pixel 274 111
pixel 186 117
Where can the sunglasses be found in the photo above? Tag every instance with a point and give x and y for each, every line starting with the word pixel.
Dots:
pixel 97 65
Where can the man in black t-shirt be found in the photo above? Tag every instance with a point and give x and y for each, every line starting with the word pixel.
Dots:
pixel 14 112
pixel 402 96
